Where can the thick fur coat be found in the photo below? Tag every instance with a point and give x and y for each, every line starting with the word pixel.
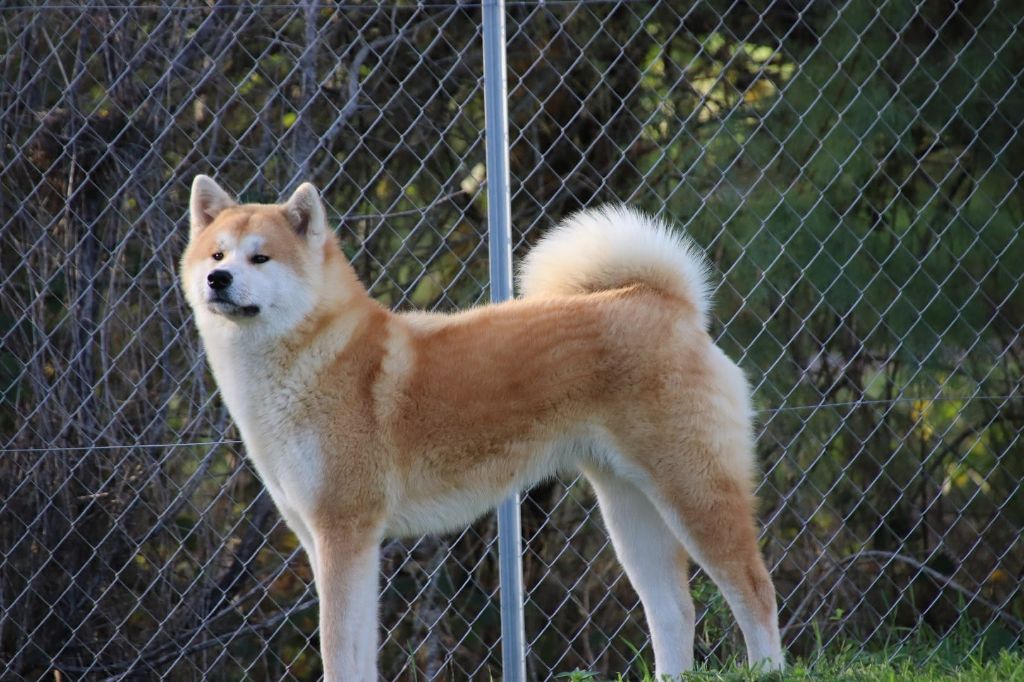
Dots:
pixel 364 423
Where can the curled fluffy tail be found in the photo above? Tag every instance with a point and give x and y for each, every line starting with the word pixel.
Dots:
pixel 612 247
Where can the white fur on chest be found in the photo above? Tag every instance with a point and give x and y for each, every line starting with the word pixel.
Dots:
pixel 291 467
pixel 287 455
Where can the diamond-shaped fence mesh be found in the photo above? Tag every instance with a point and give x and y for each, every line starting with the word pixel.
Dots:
pixel 851 168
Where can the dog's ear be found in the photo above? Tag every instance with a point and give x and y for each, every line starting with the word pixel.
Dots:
pixel 305 212
pixel 208 200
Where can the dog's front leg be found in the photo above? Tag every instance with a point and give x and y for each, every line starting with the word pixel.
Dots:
pixel 346 580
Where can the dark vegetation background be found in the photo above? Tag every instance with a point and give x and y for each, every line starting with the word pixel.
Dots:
pixel 852 168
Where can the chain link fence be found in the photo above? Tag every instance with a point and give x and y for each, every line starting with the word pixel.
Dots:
pixel 852 169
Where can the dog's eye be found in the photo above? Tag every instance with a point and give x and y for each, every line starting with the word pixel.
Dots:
pixel 218 256
pixel 260 258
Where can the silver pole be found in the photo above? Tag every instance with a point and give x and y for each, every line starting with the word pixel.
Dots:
pixel 510 565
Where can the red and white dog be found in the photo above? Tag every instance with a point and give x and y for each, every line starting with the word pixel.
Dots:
pixel 364 423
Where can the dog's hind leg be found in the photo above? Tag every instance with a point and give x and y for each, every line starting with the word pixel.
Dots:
pixel 689 446
pixel 708 504
pixel 657 566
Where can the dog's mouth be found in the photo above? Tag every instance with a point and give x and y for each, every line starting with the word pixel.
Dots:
pixel 225 306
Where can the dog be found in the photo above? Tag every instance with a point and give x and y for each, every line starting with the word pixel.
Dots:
pixel 364 423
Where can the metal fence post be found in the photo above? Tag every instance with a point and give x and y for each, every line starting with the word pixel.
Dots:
pixel 510 568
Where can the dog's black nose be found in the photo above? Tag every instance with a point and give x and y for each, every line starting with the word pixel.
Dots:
pixel 219 279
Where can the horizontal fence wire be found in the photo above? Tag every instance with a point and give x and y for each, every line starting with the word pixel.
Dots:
pixel 851 169
pixel 791 408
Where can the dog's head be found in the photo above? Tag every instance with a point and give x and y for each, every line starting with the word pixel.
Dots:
pixel 253 267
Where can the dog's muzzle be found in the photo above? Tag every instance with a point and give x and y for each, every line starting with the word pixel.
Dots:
pixel 223 305
pixel 219 300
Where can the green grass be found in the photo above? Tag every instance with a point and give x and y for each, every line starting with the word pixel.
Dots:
pixel 1006 666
